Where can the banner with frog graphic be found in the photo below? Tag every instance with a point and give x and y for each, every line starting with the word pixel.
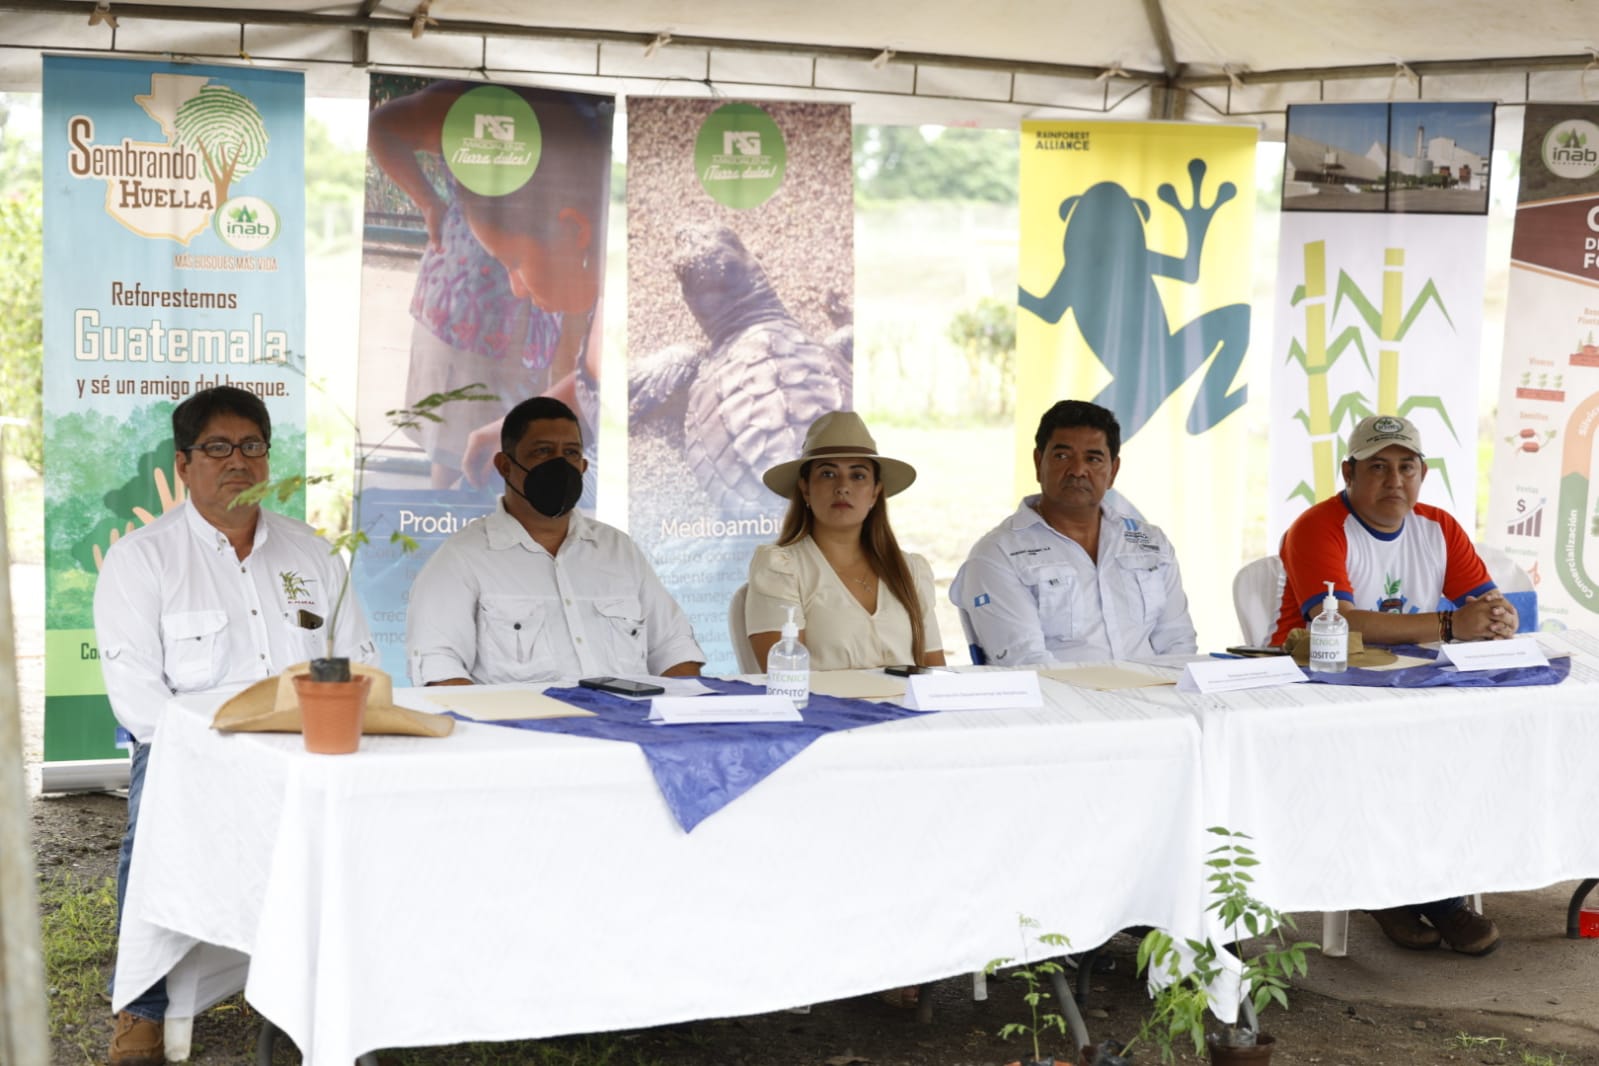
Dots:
pixel 174 261
pixel 1134 293
pixel 741 294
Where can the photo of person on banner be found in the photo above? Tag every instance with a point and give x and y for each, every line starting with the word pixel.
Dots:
pixel 511 184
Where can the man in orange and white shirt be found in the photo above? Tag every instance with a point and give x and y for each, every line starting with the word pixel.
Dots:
pixel 1391 559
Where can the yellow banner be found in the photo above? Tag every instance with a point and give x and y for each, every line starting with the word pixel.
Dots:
pixel 1134 289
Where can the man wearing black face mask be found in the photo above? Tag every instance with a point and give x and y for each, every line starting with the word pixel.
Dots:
pixel 537 591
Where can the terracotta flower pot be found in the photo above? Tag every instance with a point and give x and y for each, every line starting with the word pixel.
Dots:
pixel 331 713
pixel 1257 1054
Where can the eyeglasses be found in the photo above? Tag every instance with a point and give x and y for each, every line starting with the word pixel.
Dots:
pixel 254 448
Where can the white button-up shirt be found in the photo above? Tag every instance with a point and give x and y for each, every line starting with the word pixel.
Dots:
pixel 176 610
pixel 494 606
pixel 1033 595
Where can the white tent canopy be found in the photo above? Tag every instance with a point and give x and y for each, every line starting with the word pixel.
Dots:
pixel 950 61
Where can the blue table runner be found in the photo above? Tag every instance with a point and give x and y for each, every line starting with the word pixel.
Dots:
pixel 701 768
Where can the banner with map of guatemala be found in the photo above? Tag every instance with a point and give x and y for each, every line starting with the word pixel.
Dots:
pixel 741 296
pixel 1134 289
pixel 1380 273
pixel 1543 509
pixel 174 260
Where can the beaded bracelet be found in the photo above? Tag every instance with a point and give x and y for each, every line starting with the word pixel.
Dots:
pixel 1446 623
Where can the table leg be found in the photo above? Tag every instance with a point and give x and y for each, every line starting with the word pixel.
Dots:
pixel 1069 1011
pixel 177 1034
pixel 265 1043
pixel 1335 933
pixel 1574 912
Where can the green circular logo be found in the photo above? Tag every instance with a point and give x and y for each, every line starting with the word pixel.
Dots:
pixel 491 140
pixel 740 156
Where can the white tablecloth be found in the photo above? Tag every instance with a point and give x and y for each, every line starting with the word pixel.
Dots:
pixel 1364 798
pixel 501 884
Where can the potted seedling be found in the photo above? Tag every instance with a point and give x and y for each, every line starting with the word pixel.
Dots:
pixel 334 725
pixel 1041 1020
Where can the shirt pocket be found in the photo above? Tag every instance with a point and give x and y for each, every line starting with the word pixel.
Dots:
pixel 192 644
pixel 508 630
pixel 1147 571
pixel 1056 590
pixel 621 621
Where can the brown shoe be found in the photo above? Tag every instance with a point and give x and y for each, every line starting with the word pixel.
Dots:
pixel 138 1042
pixel 1468 932
pixel 1403 925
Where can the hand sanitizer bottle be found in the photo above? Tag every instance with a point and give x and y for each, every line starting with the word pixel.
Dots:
pixel 788 666
pixel 1329 638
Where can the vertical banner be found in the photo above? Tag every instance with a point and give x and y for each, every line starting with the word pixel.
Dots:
pixel 482 263
pixel 1543 509
pixel 1379 294
pixel 1134 285
pixel 741 293
pixel 174 260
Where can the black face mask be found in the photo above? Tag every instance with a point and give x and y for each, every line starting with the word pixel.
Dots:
pixel 552 487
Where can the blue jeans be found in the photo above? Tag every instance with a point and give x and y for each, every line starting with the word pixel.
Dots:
pixel 152 1005
pixel 1434 912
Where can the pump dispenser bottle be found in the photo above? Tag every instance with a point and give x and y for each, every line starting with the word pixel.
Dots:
pixel 788 666
pixel 1329 638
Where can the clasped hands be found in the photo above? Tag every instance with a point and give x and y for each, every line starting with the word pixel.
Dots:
pixel 1486 617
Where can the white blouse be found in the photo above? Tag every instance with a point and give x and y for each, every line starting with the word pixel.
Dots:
pixel 839 632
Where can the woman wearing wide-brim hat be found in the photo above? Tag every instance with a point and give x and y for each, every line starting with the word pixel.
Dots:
pixel 862 602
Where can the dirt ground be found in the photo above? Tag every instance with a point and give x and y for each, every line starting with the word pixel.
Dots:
pixel 78 835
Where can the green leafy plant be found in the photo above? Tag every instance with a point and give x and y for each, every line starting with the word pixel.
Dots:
pixel 1035 974
pixel 1180 1005
pixel 352 540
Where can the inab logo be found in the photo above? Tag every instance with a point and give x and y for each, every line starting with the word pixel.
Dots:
pixel 1571 149
pixel 247 223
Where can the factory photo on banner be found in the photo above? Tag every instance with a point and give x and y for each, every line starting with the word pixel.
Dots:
pixel 483 260
pixel 1133 292
pixel 174 261
pixel 1543 509
pixel 1379 294
pixel 740 327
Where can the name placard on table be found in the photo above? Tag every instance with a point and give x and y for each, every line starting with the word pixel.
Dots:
pixel 995 690
pixel 695 710
pixel 1232 675
pixel 1494 654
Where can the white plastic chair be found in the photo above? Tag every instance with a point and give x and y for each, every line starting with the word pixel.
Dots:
pixel 1258 598
pixel 738 636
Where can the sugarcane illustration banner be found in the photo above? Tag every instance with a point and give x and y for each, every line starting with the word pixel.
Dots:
pixel 741 295
pixel 1378 310
pixel 174 260
pixel 1133 291
pixel 1543 509
pixel 483 258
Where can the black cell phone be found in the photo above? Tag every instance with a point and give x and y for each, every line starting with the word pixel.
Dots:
pixel 621 686
pixel 905 671
pixel 1254 651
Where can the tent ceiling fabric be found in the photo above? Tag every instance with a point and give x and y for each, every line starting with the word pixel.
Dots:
pixel 950 61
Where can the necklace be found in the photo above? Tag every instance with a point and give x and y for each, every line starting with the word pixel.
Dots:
pixel 865 584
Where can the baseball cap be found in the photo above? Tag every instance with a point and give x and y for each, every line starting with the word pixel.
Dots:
pixel 1376 432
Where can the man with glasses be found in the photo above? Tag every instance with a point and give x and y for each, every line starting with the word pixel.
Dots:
pixel 537 591
pixel 204 596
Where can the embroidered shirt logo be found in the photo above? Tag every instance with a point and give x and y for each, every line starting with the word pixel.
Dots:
pixel 294 588
pixel 980 601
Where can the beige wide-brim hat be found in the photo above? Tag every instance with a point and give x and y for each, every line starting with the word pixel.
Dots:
pixel 840 435
pixel 270 706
